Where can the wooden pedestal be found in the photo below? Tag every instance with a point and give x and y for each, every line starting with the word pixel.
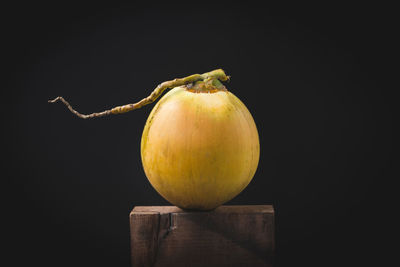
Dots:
pixel 226 236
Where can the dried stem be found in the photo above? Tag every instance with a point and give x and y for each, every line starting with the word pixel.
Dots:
pixel 215 74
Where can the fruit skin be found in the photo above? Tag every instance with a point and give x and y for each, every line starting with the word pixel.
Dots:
pixel 199 150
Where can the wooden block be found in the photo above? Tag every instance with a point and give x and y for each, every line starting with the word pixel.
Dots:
pixel 226 236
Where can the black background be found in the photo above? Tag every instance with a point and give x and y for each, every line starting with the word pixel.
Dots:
pixel 313 76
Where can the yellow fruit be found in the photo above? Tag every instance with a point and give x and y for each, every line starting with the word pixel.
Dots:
pixel 200 144
pixel 199 148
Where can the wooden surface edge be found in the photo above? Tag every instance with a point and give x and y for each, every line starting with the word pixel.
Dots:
pixel 221 209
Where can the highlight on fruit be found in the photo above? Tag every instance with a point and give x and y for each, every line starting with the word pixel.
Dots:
pixel 200 145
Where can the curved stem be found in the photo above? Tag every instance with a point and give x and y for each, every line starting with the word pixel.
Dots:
pixel 82 116
pixel 215 74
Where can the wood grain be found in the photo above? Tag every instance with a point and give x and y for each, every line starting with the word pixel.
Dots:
pixel 226 236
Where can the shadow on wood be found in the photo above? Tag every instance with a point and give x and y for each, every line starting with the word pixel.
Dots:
pixel 226 236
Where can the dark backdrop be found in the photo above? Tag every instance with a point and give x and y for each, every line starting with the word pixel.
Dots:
pixel 311 75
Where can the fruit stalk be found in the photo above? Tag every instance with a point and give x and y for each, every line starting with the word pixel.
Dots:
pixel 215 74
